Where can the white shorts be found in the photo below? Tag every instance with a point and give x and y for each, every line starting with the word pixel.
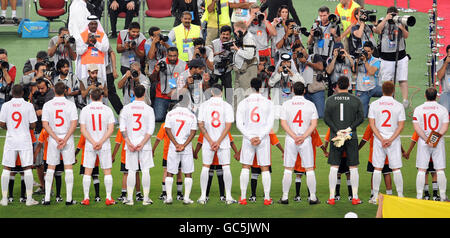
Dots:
pixel 394 153
pixel 222 154
pixel 305 150
pixel 143 158
pixel 104 157
pixel 387 70
pixel 10 157
pixel 174 159
pixel 424 152
pixel 262 152
pixel 53 154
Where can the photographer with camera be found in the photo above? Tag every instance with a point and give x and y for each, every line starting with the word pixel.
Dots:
pixel 130 80
pixel 273 6
pixel 265 71
pixel 393 33
pixel 130 44
pixel 279 24
pixel 41 71
pixel 340 64
pixel 291 37
pixel 367 68
pixel 183 35
pixel 130 7
pixel 443 75
pixel 93 81
pixel 7 77
pixel 199 51
pixel 155 47
pixel 69 79
pixel 324 34
pixel 345 11
pixel 223 58
pixel 261 29
pixel 165 75
pixel 62 46
pixel 29 66
pixel 217 15
pixel 363 32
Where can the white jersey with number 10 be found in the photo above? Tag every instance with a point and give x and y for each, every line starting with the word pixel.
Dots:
pixel 430 116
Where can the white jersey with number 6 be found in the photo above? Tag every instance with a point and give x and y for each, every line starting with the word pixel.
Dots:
pixel 59 112
pixel 138 119
pixel 18 114
pixel 96 116
pixel 430 116
pixel 215 113
pixel 387 112
pixel 298 113
pixel 255 116
pixel 181 121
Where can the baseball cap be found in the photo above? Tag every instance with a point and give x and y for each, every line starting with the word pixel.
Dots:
pixel 92 67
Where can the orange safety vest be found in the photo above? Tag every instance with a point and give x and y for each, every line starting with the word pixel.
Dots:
pixel 92 55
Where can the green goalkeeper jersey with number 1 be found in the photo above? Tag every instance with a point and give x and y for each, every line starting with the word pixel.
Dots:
pixel 343 110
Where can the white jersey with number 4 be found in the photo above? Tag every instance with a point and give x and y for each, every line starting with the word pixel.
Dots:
pixel 430 116
pixel 137 119
pixel 181 121
pixel 215 113
pixel 255 116
pixel 18 114
pixel 387 112
pixel 298 113
pixel 96 116
pixel 59 112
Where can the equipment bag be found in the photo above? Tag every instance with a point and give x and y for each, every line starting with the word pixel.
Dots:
pixel 33 29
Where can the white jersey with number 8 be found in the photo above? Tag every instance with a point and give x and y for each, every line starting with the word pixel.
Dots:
pixel 387 112
pixel 255 116
pixel 215 113
pixel 298 113
pixel 430 116
pixel 138 119
pixel 96 117
pixel 181 121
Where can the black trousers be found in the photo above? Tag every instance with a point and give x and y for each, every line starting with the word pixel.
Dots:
pixel 122 8
pixel 112 94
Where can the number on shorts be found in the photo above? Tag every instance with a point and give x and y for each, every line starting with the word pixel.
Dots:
pixel 428 122
pixel 298 118
pixel 253 114
pixel 59 117
pixel 17 119
pixel 99 122
pixel 138 121
pixel 215 119
pixel 181 126
pixel 385 124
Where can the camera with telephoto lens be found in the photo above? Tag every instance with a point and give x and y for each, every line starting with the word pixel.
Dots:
pixel 259 19
pixel 131 43
pixel 202 51
pixel 321 77
pixel 196 77
pixel 359 55
pixel 68 38
pixel 404 20
pixel 4 65
pixel 134 73
pixel 50 65
pixel 49 74
pixel 341 53
pixel 334 20
pixel 162 66
pixel 163 38
pixel 317 30
pixel 367 15
pixel 300 29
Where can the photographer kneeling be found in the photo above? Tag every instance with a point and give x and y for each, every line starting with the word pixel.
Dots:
pixel 130 80
pixel 341 64
pixel 91 82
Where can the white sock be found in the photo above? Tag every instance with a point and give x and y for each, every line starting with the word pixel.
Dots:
pixel 398 180
pixel 266 181
pixel 227 180
pixel 48 183
pixel 3 13
pixel 13 13
pixel 311 182
pixel 435 185
pixel 86 185
pixel 255 176
pixel 244 182
pixel 5 183
pixel 332 180
pixel 354 181
pixel 287 181
pixel 187 187
pixel 204 177
pixel 298 179
pixel 442 182
pixel 108 185
pixel 420 182
pixel 169 182
pixel 376 181
pixel 69 184
pixel 146 183
pixel 389 192
pixel 28 177
pixel 131 182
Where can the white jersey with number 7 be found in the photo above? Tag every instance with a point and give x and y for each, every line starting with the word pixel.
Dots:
pixel 181 121
pixel 430 116
pixel 137 119
pixel 387 112
pixel 298 113
pixel 255 116
pixel 96 116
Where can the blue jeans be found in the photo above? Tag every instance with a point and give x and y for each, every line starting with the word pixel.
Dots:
pixel 318 98
pixel 366 95
pixel 160 107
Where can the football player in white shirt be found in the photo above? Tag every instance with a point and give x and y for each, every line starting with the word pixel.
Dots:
pixel 214 120
pixel 17 117
pixel 97 125
pixel 181 126
pixel 254 118
pixel 387 119
pixel 137 123
pixel 429 117
pixel 299 119
pixel 59 119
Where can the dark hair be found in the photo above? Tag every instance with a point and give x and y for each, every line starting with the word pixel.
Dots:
pixel 186 13
pixel 152 30
pixel 392 9
pixel 199 41
pixel 369 44
pixel 3 51
pixel 343 82
pixel 256 84
pixel 324 9
pixel 42 55
pixel 96 93
pixel 431 94
pixel 17 91
pixel 172 48
pixel 288 21
pixel 60 88
pixel 281 8
pixel 139 90
pixel 217 88
pixel 225 28
pixel 134 25
pixel 38 65
pixel 63 28
pixel 448 48
pixel 296 46
pixel 388 88
pixel 299 88
pixel 43 80
pixel 61 64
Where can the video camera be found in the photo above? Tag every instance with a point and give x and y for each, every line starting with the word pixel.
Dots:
pixel 367 15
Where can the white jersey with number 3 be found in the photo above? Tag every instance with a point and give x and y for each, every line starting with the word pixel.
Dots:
pixel 298 113
pixel 137 119
pixel 215 113
pixel 181 121
pixel 18 114
pixel 430 116
pixel 387 112
pixel 96 116
pixel 59 112
pixel 255 116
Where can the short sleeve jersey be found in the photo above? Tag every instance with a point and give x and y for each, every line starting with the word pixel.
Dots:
pixel 298 113
pixel 96 117
pixel 387 112
pixel 137 119
pixel 430 116
pixel 59 112
pixel 181 121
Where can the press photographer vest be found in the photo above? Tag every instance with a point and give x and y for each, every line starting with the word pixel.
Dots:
pixel 129 56
pixel 322 46
pixel 341 69
pixel 260 35
pixel 183 39
pixel 305 71
pixel 365 82
pixel 390 45
pixel 211 18
pixel 92 54
pixel 359 42
pixel 172 72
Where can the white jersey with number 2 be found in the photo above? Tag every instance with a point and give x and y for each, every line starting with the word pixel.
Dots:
pixel 387 112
